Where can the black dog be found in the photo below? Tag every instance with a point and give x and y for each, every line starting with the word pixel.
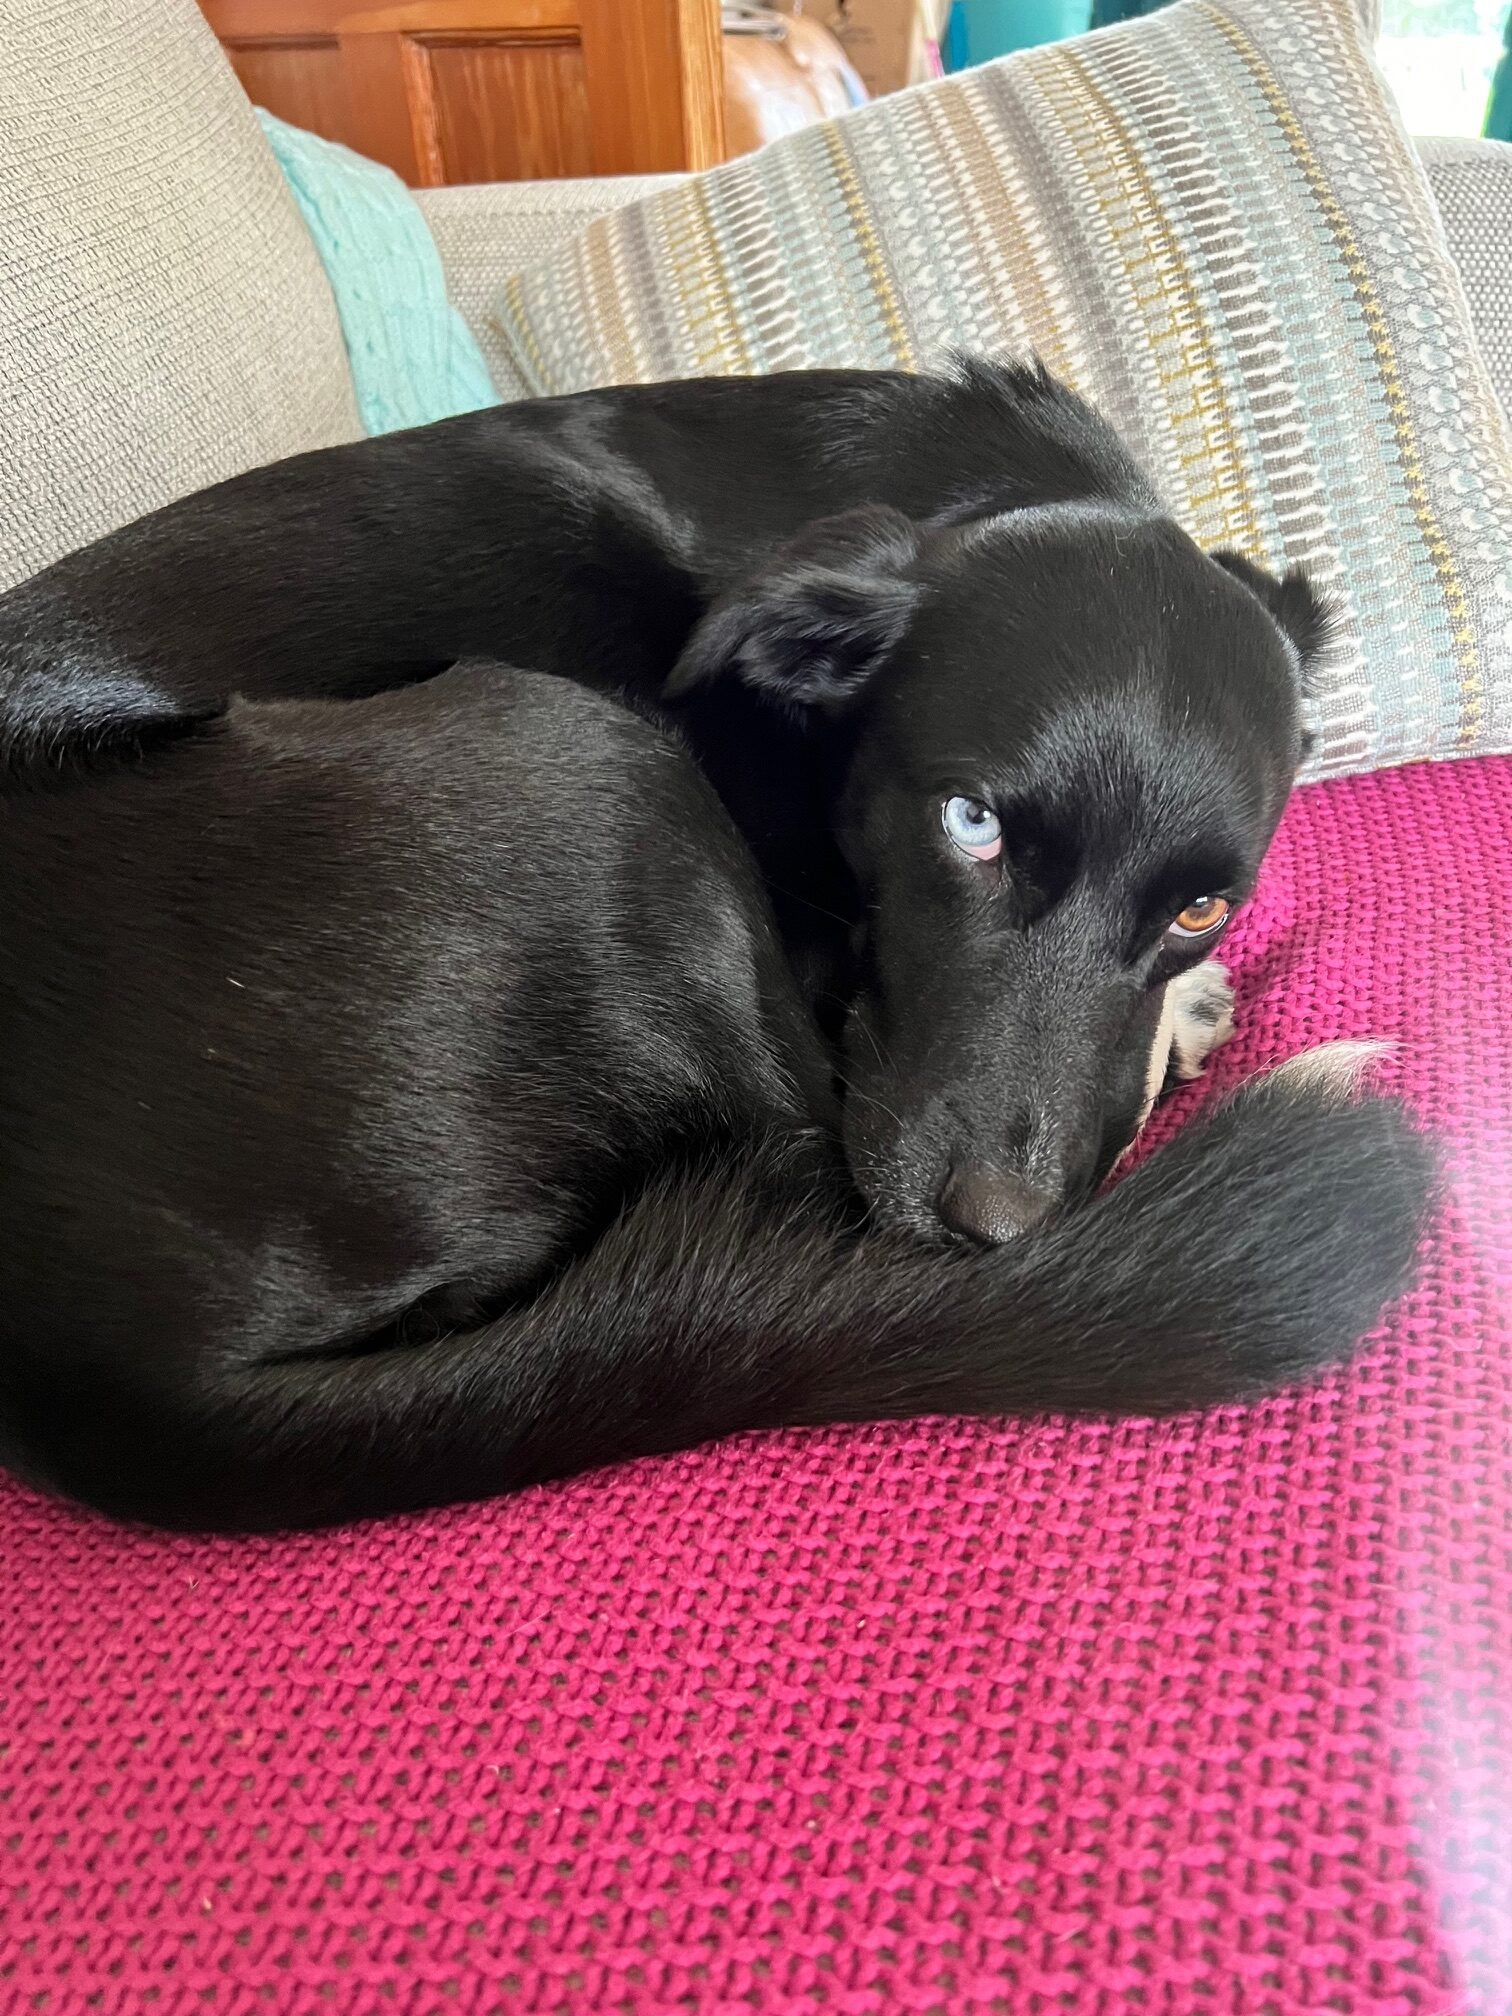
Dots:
pixel 411 1097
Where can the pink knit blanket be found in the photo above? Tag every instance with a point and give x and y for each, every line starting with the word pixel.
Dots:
pixel 1209 1716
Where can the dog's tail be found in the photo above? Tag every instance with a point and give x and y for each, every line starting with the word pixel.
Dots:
pixel 1254 1251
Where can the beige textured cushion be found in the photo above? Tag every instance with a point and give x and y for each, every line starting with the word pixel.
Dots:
pixel 487 231
pixel 1210 222
pixel 164 320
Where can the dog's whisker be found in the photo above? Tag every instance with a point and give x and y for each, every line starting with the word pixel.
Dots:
pixel 883 1055
pixel 819 909
pixel 855 1092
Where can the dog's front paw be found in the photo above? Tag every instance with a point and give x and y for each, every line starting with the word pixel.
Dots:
pixel 1201 1007
pixel 1195 1017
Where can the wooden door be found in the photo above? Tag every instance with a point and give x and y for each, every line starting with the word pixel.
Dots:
pixel 490 90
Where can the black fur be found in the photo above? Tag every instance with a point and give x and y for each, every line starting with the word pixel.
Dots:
pixel 411 1080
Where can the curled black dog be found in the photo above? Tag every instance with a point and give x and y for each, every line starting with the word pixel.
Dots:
pixel 416 1079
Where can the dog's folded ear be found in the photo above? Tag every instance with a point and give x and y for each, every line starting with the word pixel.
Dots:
pixel 1300 610
pixel 817 620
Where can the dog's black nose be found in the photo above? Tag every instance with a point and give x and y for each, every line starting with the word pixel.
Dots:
pixel 985 1205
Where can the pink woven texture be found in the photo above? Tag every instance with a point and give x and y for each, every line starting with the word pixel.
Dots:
pixel 1214 1715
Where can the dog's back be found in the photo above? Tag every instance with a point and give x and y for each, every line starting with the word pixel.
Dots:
pixel 582 536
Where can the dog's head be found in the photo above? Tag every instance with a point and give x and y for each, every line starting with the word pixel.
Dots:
pixel 1070 734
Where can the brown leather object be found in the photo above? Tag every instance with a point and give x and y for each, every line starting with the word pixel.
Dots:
pixel 779 81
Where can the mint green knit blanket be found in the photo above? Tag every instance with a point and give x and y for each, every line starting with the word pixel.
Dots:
pixel 413 358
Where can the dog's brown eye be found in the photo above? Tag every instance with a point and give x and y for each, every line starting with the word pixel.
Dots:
pixel 1199 918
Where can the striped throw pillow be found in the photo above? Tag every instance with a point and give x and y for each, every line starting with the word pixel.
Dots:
pixel 1210 222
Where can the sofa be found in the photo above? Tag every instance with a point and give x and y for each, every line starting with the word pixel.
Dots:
pixel 1213 1714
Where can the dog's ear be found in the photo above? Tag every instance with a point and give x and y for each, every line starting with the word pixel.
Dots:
pixel 814 624
pixel 1301 611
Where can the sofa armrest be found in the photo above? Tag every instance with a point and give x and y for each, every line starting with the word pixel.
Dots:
pixel 1472 184
pixel 486 231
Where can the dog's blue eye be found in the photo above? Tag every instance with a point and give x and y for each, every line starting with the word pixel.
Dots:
pixel 973 827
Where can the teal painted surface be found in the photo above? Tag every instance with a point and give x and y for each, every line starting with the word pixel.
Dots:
pixel 1106 12
pixel 1499 111
pixel 979 30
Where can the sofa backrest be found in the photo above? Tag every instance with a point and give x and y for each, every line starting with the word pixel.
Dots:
pixel 164 320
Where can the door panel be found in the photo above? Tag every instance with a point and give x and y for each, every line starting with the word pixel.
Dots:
pixel 490 90
pixel 509 110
